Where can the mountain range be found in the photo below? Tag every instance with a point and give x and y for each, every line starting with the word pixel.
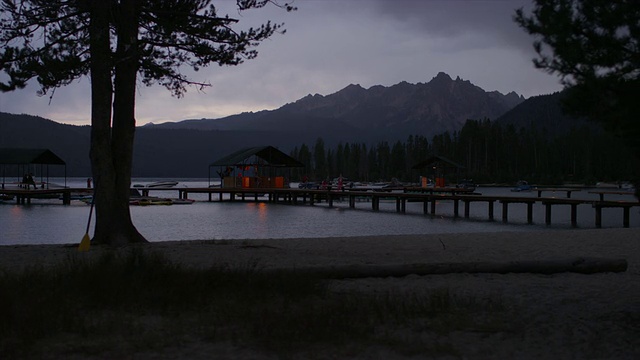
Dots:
pixel 370 115
pixel 353 114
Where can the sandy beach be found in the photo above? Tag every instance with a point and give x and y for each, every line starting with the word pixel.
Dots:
pixel 560 316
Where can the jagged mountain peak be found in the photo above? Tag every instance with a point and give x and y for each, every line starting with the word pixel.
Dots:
pixel 442 76
pixel 352 87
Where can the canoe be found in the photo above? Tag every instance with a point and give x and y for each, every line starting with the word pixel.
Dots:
pixel 182 201
pixel 147 202
pixel 162 184
pixel 157 184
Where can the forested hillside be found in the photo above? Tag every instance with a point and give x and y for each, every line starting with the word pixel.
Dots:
pixel 491 152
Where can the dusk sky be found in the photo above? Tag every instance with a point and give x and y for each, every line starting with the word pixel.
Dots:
pixel 328 45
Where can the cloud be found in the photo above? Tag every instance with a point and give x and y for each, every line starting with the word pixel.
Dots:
pixel 491 19
pixel 330 44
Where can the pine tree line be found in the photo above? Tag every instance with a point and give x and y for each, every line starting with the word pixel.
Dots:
pixel 490 153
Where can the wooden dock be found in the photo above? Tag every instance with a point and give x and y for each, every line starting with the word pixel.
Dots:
pixel 24 196
pixel 567 191
pixel 429 197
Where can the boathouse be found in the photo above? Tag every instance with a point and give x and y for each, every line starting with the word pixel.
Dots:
pixel 255 167
pixel 439 168
pixel 17 162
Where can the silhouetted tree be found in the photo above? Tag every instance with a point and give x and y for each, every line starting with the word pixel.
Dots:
pixel 398 161
pixel 320 160
pixel 594 46
pixel 115 42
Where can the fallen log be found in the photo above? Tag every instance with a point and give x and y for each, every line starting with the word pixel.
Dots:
pixel 575 265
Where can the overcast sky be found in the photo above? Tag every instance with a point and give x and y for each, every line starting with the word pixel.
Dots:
pixel 330 44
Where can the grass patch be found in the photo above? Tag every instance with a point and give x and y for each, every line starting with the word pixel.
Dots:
pixel 121 304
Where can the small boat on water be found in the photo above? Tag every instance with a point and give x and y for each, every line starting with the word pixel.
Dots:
pixel 158 184
pixel 146 201
pixel 182 201
pixel 522 186
pixel 150 201
pixel 163 184
pixel 466 184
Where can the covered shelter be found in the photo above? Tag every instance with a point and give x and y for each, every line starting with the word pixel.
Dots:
pixel 255 167
pixel 17 162
pixel 440 168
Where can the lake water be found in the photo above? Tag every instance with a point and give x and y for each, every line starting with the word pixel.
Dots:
pixel 50 222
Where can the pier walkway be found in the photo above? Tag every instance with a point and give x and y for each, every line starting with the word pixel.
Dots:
pixel 429 197
pixel 24 196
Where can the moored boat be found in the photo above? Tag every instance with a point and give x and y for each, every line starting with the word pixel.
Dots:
pixel 182 201
pixel 521 186
pixel 163 184
pixel 147 201
pixel 466 184
pixel 150 201
pixel 157 184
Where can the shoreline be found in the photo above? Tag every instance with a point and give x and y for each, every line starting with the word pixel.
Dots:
pixel 381 249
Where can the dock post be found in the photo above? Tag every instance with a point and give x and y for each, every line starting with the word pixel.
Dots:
pixel 66 198
pixel 455 208
pixel 574 215
pixel 433 205
pixel 467 203
pixel 530 213
pixel 547 214
pixel 625 219
pixel 505 211
pixel 490 210
pixel 425 206
pixel 598 216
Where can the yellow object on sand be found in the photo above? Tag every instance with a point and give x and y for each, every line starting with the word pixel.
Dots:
pixel 85 243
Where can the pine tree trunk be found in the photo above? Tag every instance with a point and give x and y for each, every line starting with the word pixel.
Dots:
pixel 112 148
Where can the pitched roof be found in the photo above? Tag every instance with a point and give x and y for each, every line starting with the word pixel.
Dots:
pixel 436 159
pixel 272 156
pixel 29 156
